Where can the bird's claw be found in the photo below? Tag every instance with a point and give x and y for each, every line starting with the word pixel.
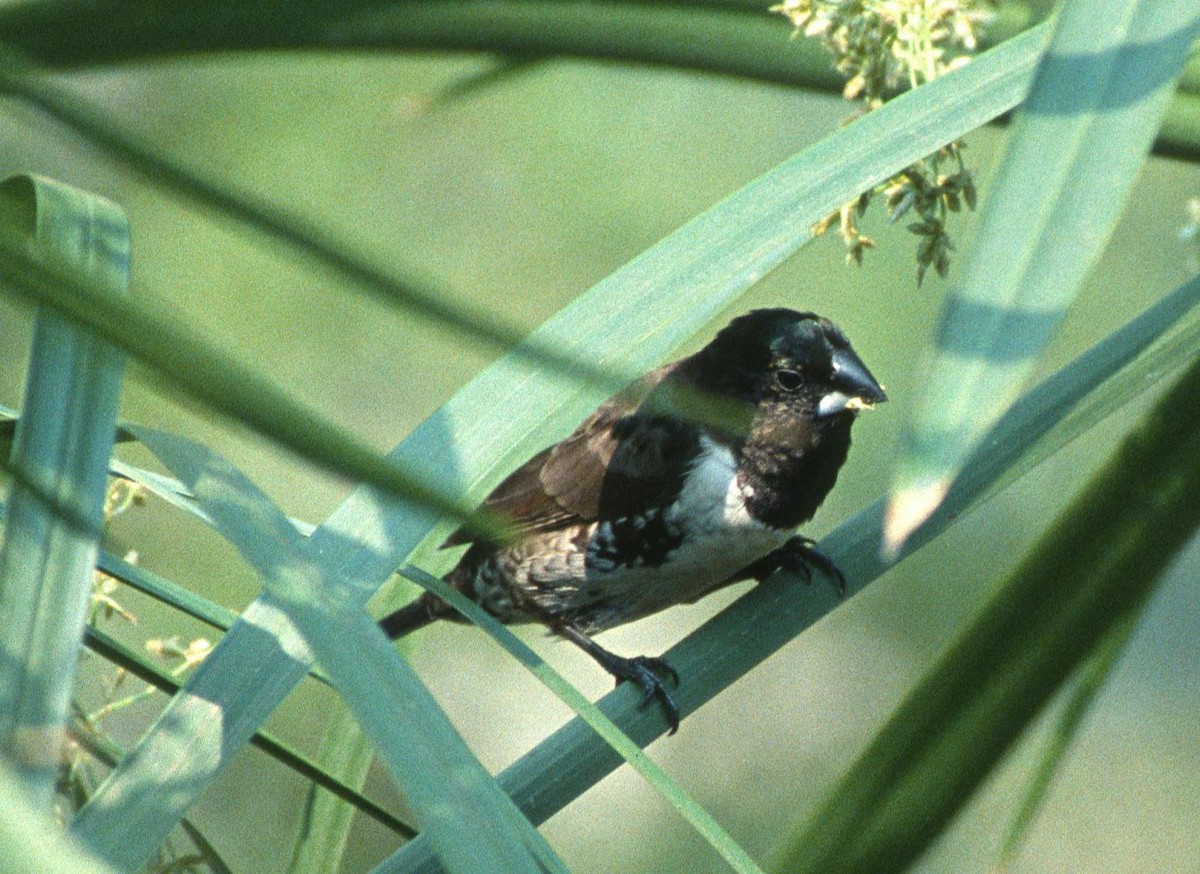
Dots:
pixel 800 555
pixel 650 674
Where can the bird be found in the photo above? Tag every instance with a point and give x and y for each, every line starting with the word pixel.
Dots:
pixel 692 478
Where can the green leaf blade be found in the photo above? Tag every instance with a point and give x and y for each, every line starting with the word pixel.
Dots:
pixel 1089 577
pixel 1091 116
pixel 31 842
pixel 473 824
pixel 152 674
pixel 60 456
pixel 325 828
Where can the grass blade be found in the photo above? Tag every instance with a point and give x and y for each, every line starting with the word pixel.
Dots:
pixel 473 825
pixel 1093 676
pixel 182 599
pixel 60 465
pixel 171 490
pixel 1091 573
pixel 1096 103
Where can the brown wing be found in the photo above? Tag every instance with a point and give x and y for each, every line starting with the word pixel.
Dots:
pixel 618 462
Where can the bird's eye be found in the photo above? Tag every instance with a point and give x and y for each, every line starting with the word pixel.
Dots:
pixel 788 380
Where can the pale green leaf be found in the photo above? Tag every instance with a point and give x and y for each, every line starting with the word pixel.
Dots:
pixel 138 665
pixel 31 842
pixel 1095 105
pixel 60 464
pixel 1093 676
pixel 474 825
pixel 325 827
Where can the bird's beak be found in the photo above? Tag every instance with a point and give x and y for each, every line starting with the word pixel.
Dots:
pixel 854 388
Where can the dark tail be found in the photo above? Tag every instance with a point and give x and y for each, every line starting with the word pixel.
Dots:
pixel 427 608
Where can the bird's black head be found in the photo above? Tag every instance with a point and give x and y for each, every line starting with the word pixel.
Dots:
pixel 781 358
pixel 800 385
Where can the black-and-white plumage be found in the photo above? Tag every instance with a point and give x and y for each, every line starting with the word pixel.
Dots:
pixel 694 477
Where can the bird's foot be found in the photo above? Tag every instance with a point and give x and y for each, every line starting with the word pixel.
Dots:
pixel 800 555
pixel 649 673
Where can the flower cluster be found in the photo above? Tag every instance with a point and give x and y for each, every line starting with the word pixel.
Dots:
pixel 880 45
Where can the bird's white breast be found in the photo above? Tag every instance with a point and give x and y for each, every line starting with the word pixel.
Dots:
pixel 720 532
pixel 720 538
pixel 713 501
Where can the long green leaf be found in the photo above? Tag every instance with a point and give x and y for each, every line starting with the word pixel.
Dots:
pixel 103 749
pixel 182 599
pixel 1096 103
pixel 171 490
pixel 740 39
pixel 636 317
pixel 60 463
pixel 1091 574
pixel 473 825
pixel 572 760
pixel 1093 677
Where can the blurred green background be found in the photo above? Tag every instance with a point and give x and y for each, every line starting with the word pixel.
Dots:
pixel 516 192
